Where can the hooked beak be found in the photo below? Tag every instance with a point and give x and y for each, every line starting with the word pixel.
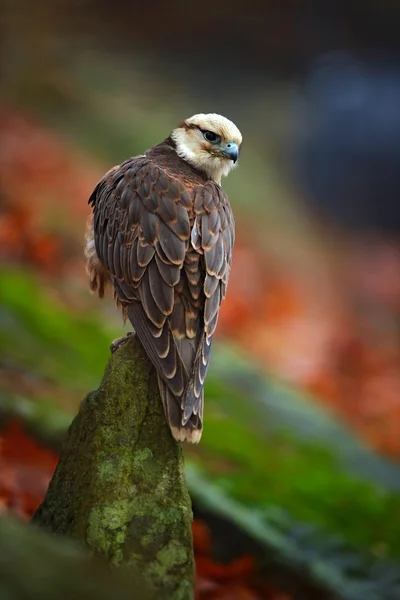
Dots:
pixel 231 151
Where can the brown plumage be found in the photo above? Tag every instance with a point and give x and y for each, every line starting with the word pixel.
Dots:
pixel 162 233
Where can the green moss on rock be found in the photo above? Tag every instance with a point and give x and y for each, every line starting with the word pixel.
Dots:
pixel 119 486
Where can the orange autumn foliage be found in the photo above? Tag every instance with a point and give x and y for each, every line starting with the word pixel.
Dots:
pixel 43 193
pixel 21 242
pixel 319 343
pixel 38 172
pixel 25 471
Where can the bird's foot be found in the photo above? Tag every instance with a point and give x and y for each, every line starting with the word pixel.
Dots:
pixel 120 341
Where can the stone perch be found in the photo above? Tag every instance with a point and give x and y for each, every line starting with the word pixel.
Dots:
pixel 119 486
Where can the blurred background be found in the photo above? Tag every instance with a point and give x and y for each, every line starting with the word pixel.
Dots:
pixel 302 423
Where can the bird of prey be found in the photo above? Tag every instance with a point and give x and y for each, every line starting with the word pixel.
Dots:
pixel 162 233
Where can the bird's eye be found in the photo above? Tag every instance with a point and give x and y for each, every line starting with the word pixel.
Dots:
pixel 212 137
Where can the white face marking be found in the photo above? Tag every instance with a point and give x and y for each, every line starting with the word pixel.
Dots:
pixel 207 156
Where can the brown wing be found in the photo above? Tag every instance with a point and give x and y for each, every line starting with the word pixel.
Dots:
pixel 142 233
pixel 212 236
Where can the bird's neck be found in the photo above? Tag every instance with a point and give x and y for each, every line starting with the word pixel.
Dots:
pixel 166 152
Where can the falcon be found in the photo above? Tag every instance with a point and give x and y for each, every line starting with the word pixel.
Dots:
pixel 161 233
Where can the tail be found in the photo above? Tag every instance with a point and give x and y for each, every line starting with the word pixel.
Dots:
pixel 192 429
pixel 174 359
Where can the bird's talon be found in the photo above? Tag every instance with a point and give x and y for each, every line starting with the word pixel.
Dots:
pixel 120 341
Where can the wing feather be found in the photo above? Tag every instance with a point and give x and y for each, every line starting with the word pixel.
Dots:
pixel 214 222
pixel 152 311
pixel 212 236
pixel 117 255
pixel 209 239
pixel 144 253
pixel 135 209
pixel 181 225
pixel 170 273
pixel 195 236
pixel 212 305
pixel 210 285
pixel 167 209
pixel 135 273
pixel 162 293
pixel 177 319
pixel 173 248
pixel 215 258
pixel 149 224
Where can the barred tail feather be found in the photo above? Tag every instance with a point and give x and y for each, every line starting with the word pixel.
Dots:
pixel 192 429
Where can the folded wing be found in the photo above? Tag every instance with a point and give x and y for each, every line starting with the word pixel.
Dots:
pixel 168 248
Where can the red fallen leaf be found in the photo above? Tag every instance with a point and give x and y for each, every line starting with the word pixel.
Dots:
pixel 201 537
pixel 45 252
pixel 26 469
pixel 240 568
pixel 22 240
pixel 17 446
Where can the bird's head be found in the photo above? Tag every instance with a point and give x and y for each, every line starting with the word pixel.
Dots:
pixel 210 143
